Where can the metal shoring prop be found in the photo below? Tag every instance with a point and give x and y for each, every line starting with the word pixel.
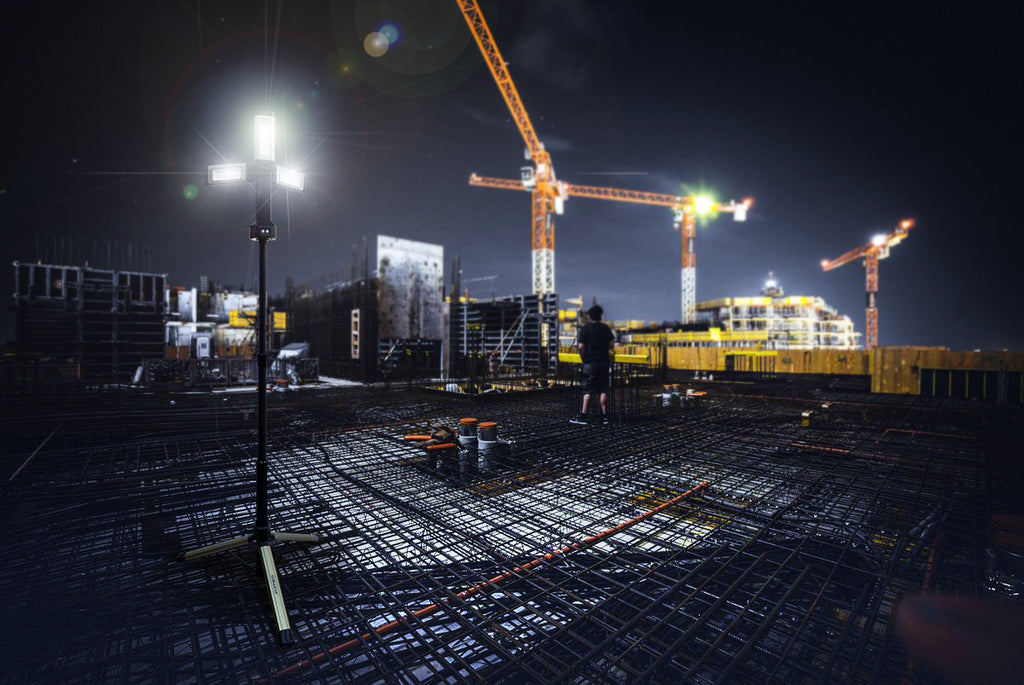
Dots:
pixel 262 230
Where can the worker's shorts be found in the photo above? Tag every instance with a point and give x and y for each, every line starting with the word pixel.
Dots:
pixel 594 378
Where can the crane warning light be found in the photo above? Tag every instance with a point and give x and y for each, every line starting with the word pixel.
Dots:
pixel 907 223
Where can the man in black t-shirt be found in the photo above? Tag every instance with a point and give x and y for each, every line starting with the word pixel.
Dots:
pixel 596 344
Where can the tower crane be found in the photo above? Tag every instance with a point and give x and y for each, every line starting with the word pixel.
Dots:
pixel 877 249
pixel 685 211
pixel 547 198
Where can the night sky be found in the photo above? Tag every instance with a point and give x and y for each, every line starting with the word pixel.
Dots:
pixel 840 119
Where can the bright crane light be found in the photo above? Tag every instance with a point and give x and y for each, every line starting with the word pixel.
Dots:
pixel 879 240
pixel 264 137
pixel 703 204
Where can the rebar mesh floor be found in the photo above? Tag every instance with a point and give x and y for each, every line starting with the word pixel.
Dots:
pixel 582 554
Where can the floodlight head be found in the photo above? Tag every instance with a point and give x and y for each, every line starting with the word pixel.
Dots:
pixel 879 240
pixel 291 179
pixel 221 174
pixel 263 130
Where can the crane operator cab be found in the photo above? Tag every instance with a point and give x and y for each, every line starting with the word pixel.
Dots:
pixel 529 177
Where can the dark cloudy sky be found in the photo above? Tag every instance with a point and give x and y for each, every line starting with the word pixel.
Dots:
pixel 840 119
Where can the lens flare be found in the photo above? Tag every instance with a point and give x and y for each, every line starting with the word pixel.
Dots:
pixel 190 192
pixel 376 44
pixel 390 31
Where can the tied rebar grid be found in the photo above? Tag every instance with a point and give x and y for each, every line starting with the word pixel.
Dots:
pixel 571 554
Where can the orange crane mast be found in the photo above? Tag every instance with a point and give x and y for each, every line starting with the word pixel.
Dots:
pixel 543 185
pixel 685 210
pixel 877 249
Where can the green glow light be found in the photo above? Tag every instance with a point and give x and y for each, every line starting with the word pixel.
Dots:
pixel 190 192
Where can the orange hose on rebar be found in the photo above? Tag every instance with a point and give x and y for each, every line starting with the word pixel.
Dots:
pixel 481 587
pixel 445 446
pixel 417 437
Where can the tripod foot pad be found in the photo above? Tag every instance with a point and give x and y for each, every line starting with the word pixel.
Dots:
pixel 276 598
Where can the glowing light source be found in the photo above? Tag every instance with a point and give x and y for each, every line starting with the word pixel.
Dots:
pixel 290 178
pixel 190 192
pixel 906 223
pixel 226 173
pixel 879 240
pixel 703 204
pixel 264 137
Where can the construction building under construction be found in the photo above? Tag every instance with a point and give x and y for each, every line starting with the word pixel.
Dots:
pixel 88 323
pixel 506 337
pixel 743 532
pixel 778 321
pixel 390 323
pixel 771 321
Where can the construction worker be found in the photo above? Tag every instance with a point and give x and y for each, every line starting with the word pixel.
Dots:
pixel 596 344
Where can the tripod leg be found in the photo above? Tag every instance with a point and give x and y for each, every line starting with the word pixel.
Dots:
pixel 222 546
pixel 276 598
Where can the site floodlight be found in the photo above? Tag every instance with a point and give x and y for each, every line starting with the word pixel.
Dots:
pixel 263 130
pixel 263 231
pixel 220 174
pixel 879 240
pixel 291 179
